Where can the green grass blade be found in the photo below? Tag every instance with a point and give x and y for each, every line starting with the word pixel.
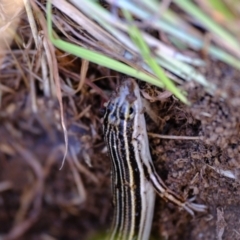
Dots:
pixel 193 10
pixel 146 54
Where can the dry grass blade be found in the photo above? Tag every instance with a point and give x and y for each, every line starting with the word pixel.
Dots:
pixel 55 74
pixel 84 69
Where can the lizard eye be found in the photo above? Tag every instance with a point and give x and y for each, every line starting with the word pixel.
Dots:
pixel 131 112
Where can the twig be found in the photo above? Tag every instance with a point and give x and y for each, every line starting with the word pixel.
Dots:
pixel 174 137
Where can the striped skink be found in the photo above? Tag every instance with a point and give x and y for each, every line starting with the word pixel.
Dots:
pixel 134 178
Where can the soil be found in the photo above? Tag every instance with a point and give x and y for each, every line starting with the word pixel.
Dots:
pixel 75 203
pixel 40 202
